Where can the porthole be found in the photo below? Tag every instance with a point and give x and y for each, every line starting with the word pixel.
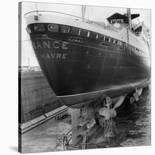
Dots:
pixel 92 35
pixel 96 36
pixel 120 43
pixel 79 32
pixel 74 31
pixel 39 27
pixel 117 42
pixel 83 33
pixel 65 29
pixel 106 39
pixel 53 27
pixel 100 36
pixel 88 34
pixel 114 41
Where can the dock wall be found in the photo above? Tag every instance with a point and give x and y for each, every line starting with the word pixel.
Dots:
pixel 35 96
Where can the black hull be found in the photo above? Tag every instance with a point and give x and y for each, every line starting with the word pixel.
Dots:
pixel 76 65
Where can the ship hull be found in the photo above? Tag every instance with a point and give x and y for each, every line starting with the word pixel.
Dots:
pixel 80 68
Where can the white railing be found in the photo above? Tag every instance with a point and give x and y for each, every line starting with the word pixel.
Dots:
pixel 37 12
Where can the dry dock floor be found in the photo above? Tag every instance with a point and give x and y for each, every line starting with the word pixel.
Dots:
pixel 46 137
pixel 133 128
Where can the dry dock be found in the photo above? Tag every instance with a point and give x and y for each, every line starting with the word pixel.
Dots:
pixel 132 128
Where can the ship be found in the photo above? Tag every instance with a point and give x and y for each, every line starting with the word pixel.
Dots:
pixel 84 59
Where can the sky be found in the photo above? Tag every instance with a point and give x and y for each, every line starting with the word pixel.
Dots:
pixel 95 13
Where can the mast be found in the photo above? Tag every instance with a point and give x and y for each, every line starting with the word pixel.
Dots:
pixel 129 17
pixel 129 23
pixel 83 12
pixel 36 17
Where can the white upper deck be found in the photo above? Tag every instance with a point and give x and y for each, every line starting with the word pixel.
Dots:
pixel 139 42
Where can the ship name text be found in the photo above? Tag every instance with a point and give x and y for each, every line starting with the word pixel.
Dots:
pixel 47 44
pixel 51 49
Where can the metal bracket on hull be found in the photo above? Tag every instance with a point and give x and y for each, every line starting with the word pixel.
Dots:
pixel 135 97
